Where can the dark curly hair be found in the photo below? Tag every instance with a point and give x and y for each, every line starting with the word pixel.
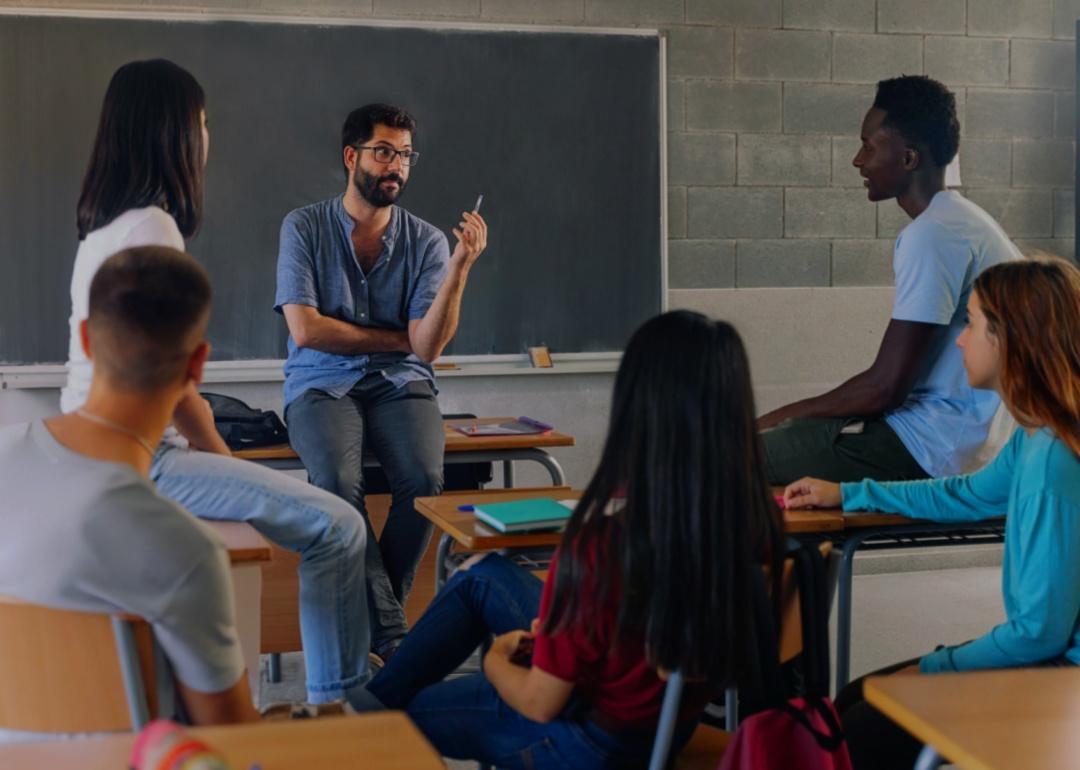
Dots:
pixel 923 112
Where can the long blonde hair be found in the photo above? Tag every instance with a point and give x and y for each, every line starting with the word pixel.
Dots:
pixel 1032 307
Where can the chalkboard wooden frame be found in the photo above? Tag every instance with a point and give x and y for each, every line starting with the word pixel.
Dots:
pixel 659 268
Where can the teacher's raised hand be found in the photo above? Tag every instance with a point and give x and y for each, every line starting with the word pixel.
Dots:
pixel 471 234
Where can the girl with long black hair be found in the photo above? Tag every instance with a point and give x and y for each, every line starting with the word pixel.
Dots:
pixel 652 575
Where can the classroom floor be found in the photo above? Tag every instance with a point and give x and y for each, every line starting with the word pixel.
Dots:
pixel 897 615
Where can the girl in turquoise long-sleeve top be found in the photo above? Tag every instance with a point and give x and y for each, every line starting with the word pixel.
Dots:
pixel 1022 340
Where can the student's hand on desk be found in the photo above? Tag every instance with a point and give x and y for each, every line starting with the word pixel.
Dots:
pixel 471 234
pixel 812 493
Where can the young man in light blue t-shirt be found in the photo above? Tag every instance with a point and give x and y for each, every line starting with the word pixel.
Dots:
pixel 912 413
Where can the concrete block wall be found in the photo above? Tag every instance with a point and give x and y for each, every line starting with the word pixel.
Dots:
pixel 765 98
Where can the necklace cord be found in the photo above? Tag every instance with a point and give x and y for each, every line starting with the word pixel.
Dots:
pixel 112 425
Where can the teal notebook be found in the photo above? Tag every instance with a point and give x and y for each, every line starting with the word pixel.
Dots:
pixel 524 515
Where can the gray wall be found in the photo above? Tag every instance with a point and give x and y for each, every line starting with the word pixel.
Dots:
pixel 765 100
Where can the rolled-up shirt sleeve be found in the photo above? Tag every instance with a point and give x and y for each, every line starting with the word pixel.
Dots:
pixel 432 274
pixel 296 279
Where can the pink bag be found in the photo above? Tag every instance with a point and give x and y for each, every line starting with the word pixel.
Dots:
pixel 796 736
pixel 791 733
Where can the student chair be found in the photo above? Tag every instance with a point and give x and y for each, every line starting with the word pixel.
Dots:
pixel 707 744
pixel 63 671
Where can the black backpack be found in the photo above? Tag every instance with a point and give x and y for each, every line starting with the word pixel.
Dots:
pixel 243 427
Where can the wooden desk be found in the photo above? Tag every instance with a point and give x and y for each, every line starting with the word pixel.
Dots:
pixel 248 551
pixel 459 449
pixel 861 530
pixel 387 740
pixel 463 528
pixel 1014 719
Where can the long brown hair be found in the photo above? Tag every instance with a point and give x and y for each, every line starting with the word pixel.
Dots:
pixel 149 148
pixel 1032 307
pixel 684 464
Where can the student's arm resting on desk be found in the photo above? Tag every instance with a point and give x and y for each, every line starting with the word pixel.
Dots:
pixel 532 692
pixel 971 497
pixel 882 387
pixel 1042 593
pixel 434 321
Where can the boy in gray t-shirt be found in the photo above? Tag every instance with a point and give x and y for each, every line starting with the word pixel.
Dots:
pixel 93 535
pixel 83 528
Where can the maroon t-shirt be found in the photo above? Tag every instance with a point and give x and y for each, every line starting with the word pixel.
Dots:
pixel 615 680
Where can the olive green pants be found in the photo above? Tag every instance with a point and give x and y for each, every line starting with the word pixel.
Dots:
pixel 837 449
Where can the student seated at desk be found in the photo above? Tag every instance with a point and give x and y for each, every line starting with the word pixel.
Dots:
pixel 82 526
pixel 1023 341
pixel 651 575
pixel 911 414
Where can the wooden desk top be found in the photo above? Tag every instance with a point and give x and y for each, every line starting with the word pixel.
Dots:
pixel 386 740
pixel 244 542
pixel 455 441
pixel 467 530
pixel 463 526
pixel 1014 719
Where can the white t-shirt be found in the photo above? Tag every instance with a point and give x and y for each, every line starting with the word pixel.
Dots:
pixel 149 226
pixel 90 535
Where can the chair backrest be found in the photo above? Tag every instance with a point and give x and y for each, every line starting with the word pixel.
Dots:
pixel 63 671
pixel 790 644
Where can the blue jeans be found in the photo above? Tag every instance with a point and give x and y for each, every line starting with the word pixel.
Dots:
pixel 465 718
pixel 327 532
pixel 403 428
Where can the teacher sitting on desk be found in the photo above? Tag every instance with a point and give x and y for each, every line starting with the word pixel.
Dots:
pixel 371 295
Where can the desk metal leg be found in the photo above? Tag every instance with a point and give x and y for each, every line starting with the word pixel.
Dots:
pixel 558 478
pixel 442 553
pixel 928 759
pixel 508 474
pixel 843 608
pixel 273 668
pixel 731 709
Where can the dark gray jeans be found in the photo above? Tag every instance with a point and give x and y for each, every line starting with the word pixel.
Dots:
pixel 403 428
pixel 837 449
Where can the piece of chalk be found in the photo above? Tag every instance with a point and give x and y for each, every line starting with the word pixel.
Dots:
pixel 466 508
pixel 780 502
pixel 479 200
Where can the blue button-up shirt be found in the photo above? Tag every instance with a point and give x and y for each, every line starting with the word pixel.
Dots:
pixel 317 267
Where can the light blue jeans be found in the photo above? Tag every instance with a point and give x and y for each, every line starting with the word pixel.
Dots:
pixel 326 531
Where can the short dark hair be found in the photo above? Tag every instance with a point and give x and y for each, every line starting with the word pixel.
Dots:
pixel 149 148
pixel 923 112
pixel 148 310
pixel 360 124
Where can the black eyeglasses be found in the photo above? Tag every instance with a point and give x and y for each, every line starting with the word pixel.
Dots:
pixel 384 154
